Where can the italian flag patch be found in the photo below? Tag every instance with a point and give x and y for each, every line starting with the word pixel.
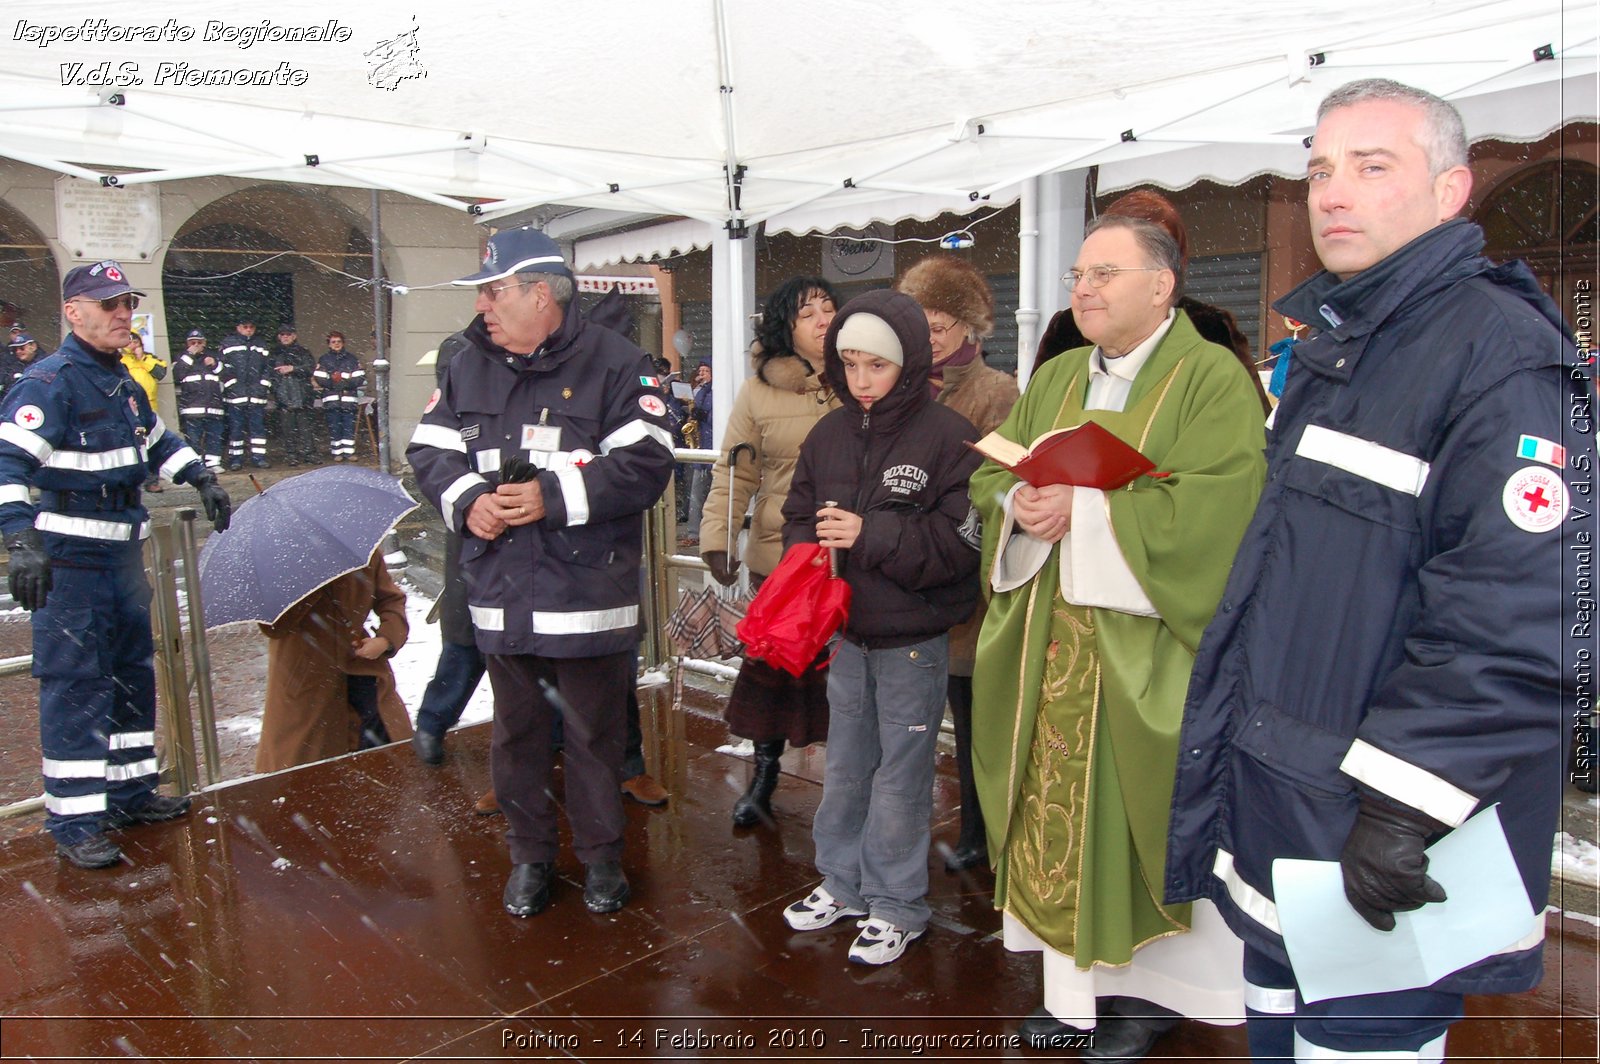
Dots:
pixel 655 382
pixel 1537 449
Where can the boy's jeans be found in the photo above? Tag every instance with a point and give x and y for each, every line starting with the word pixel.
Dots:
pixel 872 829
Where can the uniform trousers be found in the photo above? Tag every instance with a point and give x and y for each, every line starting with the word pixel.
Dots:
pixel 93 655
pixel 204 433
pixel 589 696
pixel 1401 1026
pixel 341 427
pixel 247 421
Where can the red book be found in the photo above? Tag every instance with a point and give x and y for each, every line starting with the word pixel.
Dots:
pixel 1085 456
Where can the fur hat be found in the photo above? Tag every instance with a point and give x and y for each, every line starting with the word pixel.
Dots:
pixel 952 285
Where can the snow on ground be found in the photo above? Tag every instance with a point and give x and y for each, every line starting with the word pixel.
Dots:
pixel 413 668
pixel 1576 860
pixel 413 665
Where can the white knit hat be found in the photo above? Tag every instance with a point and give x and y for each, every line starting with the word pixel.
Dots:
pixel 870 335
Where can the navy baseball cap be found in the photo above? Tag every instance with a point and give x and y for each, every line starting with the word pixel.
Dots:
pixel 524 250
pixel 101 281
pixel 21 340
pixel 288 327
pixel 195 334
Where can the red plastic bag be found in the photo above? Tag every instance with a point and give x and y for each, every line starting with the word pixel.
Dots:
pixel 797 610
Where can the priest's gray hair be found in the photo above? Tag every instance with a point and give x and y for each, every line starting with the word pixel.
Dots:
pixel 1159 246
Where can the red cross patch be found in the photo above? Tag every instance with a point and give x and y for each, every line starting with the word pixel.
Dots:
pixel 29 417
pixel 1535 499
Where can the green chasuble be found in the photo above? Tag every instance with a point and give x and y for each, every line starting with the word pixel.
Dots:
pixel 1076 709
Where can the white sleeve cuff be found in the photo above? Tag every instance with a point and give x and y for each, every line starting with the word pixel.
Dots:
pixel 1020 556
pixel 1093 571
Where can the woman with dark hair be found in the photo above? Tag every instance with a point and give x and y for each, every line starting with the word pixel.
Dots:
pixel 771 416
pixel 1213 323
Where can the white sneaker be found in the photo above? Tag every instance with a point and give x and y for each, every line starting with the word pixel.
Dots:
pixel 818 910
pixel 880 942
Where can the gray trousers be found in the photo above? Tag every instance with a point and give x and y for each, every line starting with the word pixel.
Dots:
pixel 872 829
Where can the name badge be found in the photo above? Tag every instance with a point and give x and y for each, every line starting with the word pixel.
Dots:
pixel 541 437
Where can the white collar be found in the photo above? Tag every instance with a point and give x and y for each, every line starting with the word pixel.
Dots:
pixel 1127 367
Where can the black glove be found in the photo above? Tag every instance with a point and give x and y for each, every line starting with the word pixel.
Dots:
pixel 722 571
pixel 219 508
pixel 1385 870
pixel 517 470
pixel 28 571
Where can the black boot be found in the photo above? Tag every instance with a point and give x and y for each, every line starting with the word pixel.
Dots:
pixel 755 804
pixel 972 847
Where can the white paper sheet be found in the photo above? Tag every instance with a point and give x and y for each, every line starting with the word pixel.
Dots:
pixel 1335 953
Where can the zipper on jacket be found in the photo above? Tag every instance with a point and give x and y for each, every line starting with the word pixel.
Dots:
pixel 863 489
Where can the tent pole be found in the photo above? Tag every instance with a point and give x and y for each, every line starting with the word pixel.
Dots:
pixel 733 284
pixel 380 358
pixel 1028 273
pixel 1060 225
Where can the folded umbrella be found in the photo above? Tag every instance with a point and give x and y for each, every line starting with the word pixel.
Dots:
pixel 296 536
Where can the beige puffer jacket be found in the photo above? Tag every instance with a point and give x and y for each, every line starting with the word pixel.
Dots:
pixel 772 413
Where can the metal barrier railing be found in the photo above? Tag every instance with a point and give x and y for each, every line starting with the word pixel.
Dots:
pixel 183 662
pixel 170 548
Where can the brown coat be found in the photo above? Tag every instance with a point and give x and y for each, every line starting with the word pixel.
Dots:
pixel 773 413
pixel 309 653
pixel 984 396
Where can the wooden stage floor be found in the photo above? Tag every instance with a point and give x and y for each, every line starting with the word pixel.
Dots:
pixel 351 909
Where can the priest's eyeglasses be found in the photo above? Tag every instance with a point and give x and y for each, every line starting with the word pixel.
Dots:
pixel 1100 276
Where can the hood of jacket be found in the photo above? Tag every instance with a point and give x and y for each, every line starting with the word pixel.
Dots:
pixel 1444 255
pixel 784 370
pixel 910 393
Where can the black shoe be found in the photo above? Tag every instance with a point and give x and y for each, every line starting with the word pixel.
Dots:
pixel 96 851
pixel 293 463
pixel 528 889
pixel 1128 1038
pixel 605 888
pixel 964 857
pixel 755 804
pixel 428 747
pixel 234 467
pixel 260 463
pixel 157 807
pixel 1041 1030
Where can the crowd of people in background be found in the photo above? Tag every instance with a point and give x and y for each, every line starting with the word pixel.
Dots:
pixel 240 398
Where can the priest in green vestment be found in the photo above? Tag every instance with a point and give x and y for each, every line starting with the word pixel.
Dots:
pixel 1098 599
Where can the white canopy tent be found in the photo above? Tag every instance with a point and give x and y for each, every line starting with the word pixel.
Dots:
pixel 726 113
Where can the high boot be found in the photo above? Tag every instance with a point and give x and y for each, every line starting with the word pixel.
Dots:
pixel 972 848
pixel 755 804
